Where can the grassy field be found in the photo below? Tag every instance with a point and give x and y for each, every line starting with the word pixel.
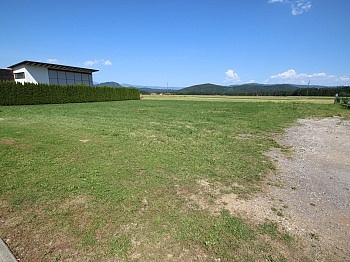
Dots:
pixel 138 180
pixel 275 99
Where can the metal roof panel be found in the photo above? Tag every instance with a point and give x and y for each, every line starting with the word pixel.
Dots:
pixel 55 67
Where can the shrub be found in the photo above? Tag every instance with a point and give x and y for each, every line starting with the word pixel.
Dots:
pixel 12 93
pixel 344 97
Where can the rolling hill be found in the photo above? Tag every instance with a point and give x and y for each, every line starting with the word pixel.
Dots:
pixel 210 89
pixel 110 84
pixel 245 89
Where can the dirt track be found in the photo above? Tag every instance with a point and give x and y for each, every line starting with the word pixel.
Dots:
pixel 312 186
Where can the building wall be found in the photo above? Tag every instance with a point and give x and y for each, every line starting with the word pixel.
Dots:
pixel 37 74
pixel 32 74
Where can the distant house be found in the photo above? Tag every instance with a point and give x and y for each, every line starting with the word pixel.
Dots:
pixel 38 72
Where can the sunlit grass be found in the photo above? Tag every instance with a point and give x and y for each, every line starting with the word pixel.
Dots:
pixel 277 99
pixel 280 99
pixel 119 180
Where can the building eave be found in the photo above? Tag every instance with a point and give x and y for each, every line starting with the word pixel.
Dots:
pixel 55 67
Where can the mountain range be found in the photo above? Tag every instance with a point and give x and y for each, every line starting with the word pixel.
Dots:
pixel 145 89
pixel 212 89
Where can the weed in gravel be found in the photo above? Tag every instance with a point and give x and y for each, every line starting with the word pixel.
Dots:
pixel 271 229
pixel 279 213
pixel 314 236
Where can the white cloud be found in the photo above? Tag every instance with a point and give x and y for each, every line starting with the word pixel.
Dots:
pixel 298 6
pixel 288 74
pixel 292 77
pixel 52 61
pixel 344 79
pixel 231 77
pixel 89 63
pixel 98 61
pixel 107 62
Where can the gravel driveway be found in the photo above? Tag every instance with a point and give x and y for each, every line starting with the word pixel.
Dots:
pixel 313 186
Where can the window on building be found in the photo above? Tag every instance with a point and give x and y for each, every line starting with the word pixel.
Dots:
pixel 19 75
pixel 69 78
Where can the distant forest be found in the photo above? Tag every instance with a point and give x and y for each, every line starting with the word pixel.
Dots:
pixel 247 90
pixel 264 90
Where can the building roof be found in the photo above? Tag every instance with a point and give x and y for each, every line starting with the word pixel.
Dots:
pixel 55 67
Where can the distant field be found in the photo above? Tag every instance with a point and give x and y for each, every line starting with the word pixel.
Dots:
pixel 301 99
pixel 139 180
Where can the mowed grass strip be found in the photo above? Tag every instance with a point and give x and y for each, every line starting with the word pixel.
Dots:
pixel 275 99
pixel 124 180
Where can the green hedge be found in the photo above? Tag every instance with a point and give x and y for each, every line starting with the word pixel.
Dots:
pixel 12 93
pixel 344 98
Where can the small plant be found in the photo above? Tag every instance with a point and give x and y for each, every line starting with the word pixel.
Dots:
pixel 314 236
pixel 280 213
pixel 287 238
pixel 270 228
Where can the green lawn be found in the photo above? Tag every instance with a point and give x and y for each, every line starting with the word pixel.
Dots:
pixel 124 180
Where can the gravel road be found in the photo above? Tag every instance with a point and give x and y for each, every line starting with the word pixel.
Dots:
pixel 313 186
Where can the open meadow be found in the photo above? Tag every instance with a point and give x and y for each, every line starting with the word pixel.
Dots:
pixel 140 180
pixel 275 99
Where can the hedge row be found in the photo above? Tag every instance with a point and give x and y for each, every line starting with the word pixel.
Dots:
pixel 12 93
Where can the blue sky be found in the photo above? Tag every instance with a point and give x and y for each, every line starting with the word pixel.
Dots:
pixel 184 42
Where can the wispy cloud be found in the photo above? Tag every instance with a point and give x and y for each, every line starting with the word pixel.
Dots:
pixel 107 62
pixel 231 77
pixel 298 6
pixel 301 6
pixel 52 61
pixel 292 77
pixel 98 62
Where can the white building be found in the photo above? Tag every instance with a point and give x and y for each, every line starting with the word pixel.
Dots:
pixel 44 73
